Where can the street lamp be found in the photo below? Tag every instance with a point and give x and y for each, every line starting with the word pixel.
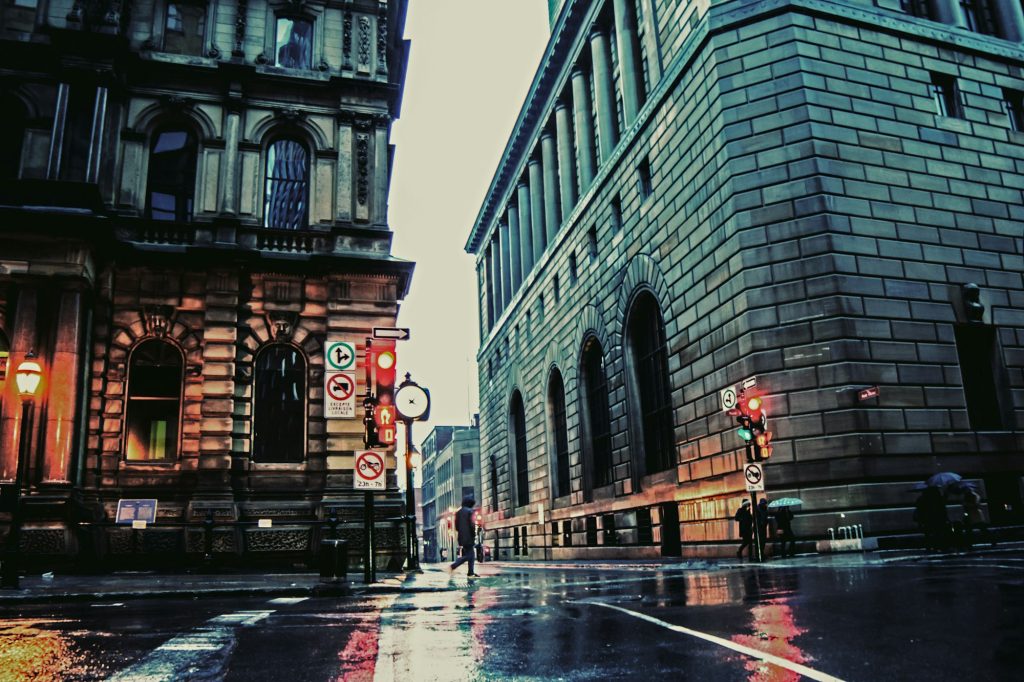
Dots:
pixel 28 377
pixel 413 403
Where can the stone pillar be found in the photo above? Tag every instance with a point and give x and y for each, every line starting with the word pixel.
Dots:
pixel 23 339
pixel 229 186
pixel 488 289
pixel 65 384
pixel 218 387
pixel 481 286
pixel 540 240
pixel 60 117
pixel 949 12
pixel 99 119
pixel 506 264
pixel 651 44
pixel 566 160
pixel 607 127
pixel 551 213
pixel 525 229
pixel 514 248
pixel 1010 17
pixel 380 174
pixel 496 275
pixel 584 128
pixel 343 210
pixel 630 77
pixel 361 169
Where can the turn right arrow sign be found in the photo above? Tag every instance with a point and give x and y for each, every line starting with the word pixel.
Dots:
pixel 397 333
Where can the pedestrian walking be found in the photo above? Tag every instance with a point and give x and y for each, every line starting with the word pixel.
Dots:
pixel 746 521
pixel 974 517
pixel 466 530
pixel 931 516
pixel 784 528
pixel 761 519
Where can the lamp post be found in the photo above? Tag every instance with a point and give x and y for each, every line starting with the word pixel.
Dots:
pixel 28 377
pixel 413 403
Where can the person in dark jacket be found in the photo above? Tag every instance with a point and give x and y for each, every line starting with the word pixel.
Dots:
pixel 466 530
pixel 746 521
pixel 784 526
pixel 761 518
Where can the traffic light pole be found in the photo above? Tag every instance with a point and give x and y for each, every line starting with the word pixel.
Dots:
pixel 412 550
pixel 758 540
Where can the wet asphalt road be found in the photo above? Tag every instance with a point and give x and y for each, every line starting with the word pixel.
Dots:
pixel 954 618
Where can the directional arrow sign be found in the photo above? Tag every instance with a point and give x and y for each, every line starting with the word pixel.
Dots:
pixel 397 333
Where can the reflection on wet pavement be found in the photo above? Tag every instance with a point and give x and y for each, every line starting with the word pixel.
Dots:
pixel 37 649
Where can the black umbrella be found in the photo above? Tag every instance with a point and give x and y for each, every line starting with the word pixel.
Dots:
pixel 943 479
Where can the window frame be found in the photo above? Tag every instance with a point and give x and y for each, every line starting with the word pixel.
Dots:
pixel 283 9
pixel 597 433
pixel 653 422
pixel 173 126
pixel 254 424
pixel 945 95
pixel 558 430
pixel 128 404
pixel 520 457
pixel 162 18
pixel 301 141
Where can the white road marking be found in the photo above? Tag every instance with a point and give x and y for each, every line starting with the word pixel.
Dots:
pixel 745 650
pixel 287 600
pixel 208 648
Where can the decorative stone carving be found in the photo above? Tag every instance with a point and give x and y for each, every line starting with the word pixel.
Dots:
pixel 240 16
pixel 281 324
pixel 262 58
pixel 382 39
pixel 177 103
pixel 973 307
pixel 362 168
pixel 156 318
pixel 277 540
pixel 214 51
pixel 364 40
pixel 346 39
pixel 289 114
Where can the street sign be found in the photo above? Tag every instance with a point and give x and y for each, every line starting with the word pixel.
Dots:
pixel 340 356
pixel 868 393
pixel 396 333
pixel 339 395
pixel 369 471
pixel 129 511
pixel 754 475
pixel 728 398
pixel 750 383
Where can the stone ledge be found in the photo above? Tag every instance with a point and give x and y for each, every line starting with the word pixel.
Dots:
pixel 852 545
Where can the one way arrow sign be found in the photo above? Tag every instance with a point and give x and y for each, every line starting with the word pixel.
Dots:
pixel 397 333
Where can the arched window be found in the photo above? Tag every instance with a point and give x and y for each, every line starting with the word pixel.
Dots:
pixel 597 422
pixel 646 342
pixel 12 136
pixel 286 195
pixel 172 174
pixel 518 421
pixel 279 405
pixel 559 432
pixel 153 419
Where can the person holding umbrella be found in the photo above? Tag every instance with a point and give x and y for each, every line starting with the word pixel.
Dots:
pixel 783 510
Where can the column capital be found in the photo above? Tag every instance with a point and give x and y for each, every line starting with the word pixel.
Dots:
pixel 522 184
pixel 578 72
pixel 546 135
pixel 597 31
pixel 533 162
pixel 560 105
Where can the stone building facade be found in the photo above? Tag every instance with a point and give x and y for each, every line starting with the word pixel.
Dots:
pixel 195 197
pixel 814 197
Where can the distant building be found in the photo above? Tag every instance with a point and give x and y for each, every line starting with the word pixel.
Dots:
pixel 194 199
pixel 814 199
pixel 451 465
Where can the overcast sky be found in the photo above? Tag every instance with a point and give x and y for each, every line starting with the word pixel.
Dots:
pixel 471 65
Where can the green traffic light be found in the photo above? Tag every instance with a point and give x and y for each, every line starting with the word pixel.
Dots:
pixel 745 433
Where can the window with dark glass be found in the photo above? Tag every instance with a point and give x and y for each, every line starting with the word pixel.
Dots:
pixel 985 379
pixel 494 482
pixel 1013 105
pixel 616 207
pixel 294 43
pixel 592 242
pixel 918 8
pixel 595 386
pixel 467 462
pixel 155 379
pixel 945 95
pixel 279 405
pixel 518 418
pixel 78 128
pixel 643 180
pixel 286 196
pixel 978 15
pixel 185 27
pixel 172 175
pixel 467 491
pixel 559 433
pixel 650 362
pixel 12 136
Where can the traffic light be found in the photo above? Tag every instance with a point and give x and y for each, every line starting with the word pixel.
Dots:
pixel 763 443
pixel 384 361
pixel 369 423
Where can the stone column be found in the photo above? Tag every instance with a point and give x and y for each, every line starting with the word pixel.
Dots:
pixel 629 61
pixel 584 128
pixel 651 44
pixel 551 213
pixel 23 339
pixel 506 264
pixel 220 333
pixel 607 127
pixel 514 248
pixel 65 384
pixel 1010 16
pixel 481 286
pixel 380 174
pixel 497 275
pixel 99 119
pixel 566 160
pixel 525 229
pixel 60 116
pixel 229 186
pixel 488 289
pixel 949 12
pixel 343 210
pixel 540 240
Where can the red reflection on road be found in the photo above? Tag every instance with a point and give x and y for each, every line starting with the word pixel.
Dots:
pixel 774 629
pixel 359 657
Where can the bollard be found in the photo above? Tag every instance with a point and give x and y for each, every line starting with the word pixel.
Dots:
pixel 334 560
pixel 332 522
pixel 831 533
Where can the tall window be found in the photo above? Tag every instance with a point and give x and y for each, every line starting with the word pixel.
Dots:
pixel 919 8
pixel 518 419
pixel 78 127
pixel 944 95
pixel 559 433
pixel 172 175
pixel 185 27
pixel 294 43
pixel 978 15
pixel 467 462
pixel 154 402
pixel 595 385
pixel 286 196
pixel 650 366
pixel 279 405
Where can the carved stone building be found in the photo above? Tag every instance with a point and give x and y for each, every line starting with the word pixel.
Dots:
pixel 194 197
pixel 796 194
